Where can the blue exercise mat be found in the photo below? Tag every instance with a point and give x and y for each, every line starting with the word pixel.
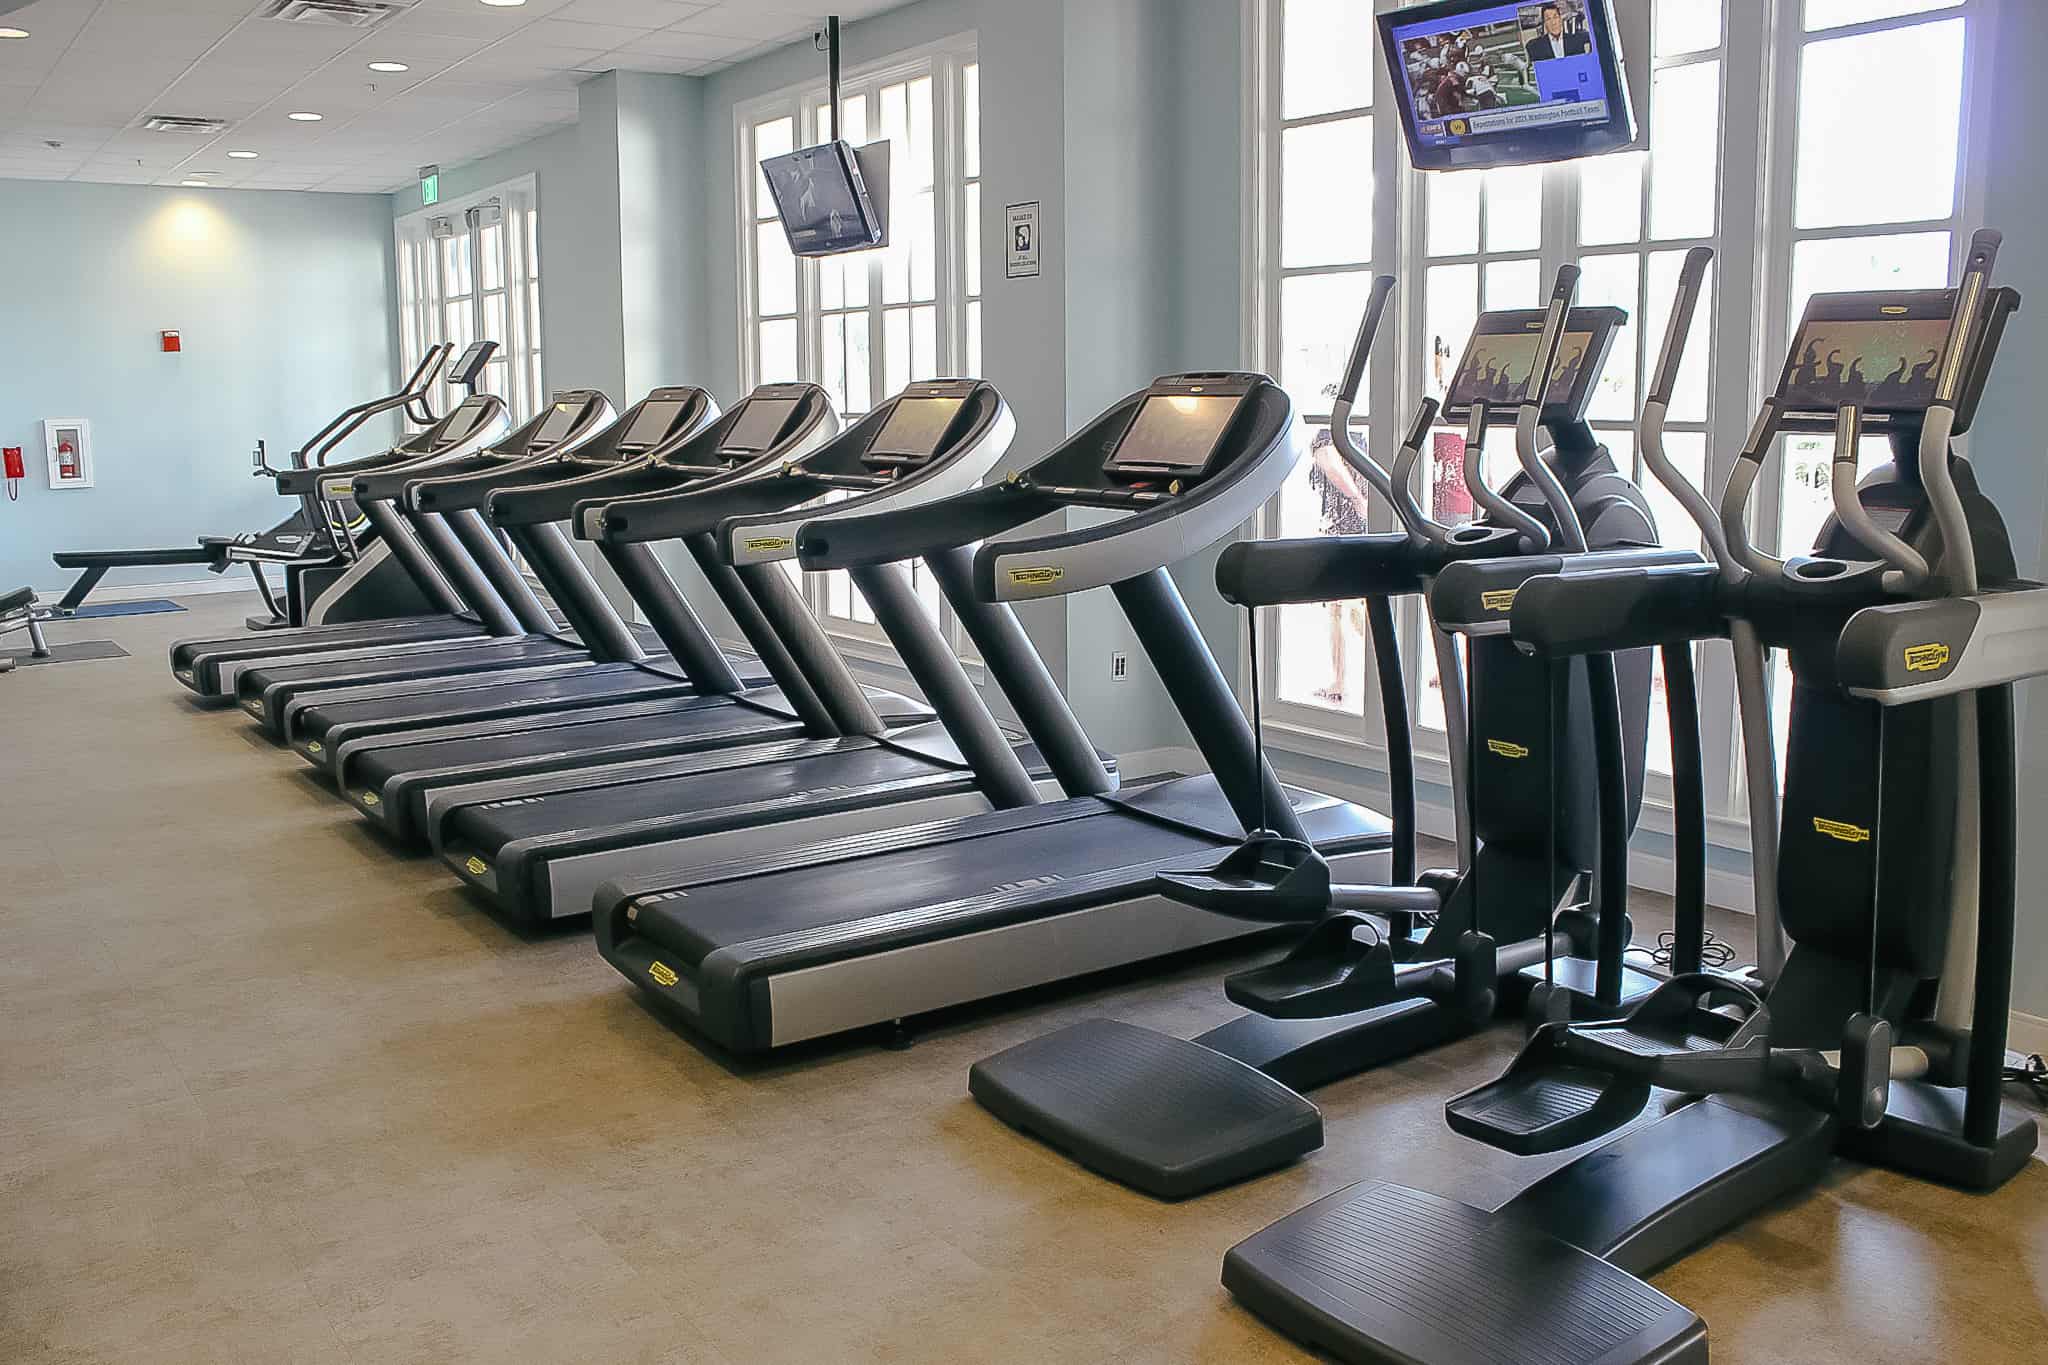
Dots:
pixel 147 607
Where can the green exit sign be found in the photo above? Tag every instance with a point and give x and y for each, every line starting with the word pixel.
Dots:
pixel 430 185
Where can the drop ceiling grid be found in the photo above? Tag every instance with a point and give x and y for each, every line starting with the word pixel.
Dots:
pixel 483 79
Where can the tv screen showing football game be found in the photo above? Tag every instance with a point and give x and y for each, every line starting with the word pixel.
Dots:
pixel 1486 83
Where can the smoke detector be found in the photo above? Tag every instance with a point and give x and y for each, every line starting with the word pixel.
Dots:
pixel 335 13
pixel 180 123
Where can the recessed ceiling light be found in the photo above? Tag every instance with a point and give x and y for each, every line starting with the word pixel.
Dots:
pixel 243 156
pixel 197 184
pixel 305 117
pixel 389 66
pixel 13 33
pixel 505 4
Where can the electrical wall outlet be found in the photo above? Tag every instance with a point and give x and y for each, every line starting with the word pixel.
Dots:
pixel 1119 667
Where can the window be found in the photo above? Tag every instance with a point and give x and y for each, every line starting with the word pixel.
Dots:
pixel 1876 199
pixel 867 324
pixel 1854 187
pixel 470 271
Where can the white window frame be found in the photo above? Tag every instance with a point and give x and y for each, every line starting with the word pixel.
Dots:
pixel 517 372
pixel 1753 239
pixel 956 237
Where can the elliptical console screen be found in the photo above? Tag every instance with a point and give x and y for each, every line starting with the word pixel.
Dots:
pixel 759 424
pixel 913 431
pixel 651 427
pixel 1175 433
pixel 1501 357
pixel 1882 354
pixel 1481 82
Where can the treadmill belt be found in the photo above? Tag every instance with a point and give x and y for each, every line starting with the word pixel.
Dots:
pixel 691 718
pixel 606 814
pixel 456 699
pixel 807 900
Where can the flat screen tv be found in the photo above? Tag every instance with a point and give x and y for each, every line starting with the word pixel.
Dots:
pixel 822 199
pixel 1486 83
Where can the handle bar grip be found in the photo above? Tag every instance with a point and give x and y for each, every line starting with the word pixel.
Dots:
pixel 1368 328
pixel 1692 278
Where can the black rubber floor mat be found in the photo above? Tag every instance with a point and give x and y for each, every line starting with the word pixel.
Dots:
pixel 77 652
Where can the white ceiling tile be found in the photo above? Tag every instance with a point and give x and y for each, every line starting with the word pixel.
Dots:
pixel 593 37
pixel 672 43
pixel 632 13
pixel 750 21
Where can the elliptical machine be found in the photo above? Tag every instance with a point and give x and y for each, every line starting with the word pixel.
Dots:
pixel 1882 1037
pixel 1384 972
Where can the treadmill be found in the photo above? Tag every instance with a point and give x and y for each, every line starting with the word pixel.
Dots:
pixel 541 845
pixel 208 665
pixel 578 432
pixel 776 423
pixel 759 952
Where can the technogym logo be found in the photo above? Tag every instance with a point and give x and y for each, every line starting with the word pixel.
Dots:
pixel 1507 748
pixel 1841 829
pixel 1500 599
pixel 1930 658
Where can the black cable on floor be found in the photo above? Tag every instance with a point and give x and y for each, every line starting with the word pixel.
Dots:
pixel 1715 952
pixel 2032 1076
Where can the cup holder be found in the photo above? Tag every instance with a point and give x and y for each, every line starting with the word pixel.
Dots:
pixel 1820 570
pixel 1471 535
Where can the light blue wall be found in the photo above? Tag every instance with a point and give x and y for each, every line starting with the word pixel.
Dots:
pixel 285 305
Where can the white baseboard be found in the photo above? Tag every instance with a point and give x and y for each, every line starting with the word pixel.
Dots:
pixel 2027 1034
pixel 232 581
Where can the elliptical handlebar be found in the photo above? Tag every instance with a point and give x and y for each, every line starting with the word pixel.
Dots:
pixel 1372 471
pixel 1529 417
pixel 1959 554
pixel 1402 494
pixel 1692 278
pixel 1908 567
pixel 1535 535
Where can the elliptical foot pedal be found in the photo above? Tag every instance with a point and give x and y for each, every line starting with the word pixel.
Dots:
pixel 1379 1272
pixel 1540 1106
pixel 1330 971
pixel 1165 1116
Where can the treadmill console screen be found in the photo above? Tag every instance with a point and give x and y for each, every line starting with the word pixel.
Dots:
pixel 651 427
pixel 561 420
pixel 913 431
pixel 463 422
pixel 1883 364
pixel 1174 434
pixel 759 424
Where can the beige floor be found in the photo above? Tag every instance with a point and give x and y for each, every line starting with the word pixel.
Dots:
pixel 274 1095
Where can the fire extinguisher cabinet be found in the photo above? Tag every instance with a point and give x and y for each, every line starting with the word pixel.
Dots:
pixel 67 441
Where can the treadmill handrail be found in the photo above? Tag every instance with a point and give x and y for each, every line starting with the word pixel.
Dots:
pixel 596 418
pixel 913 532
pixel 414 388
pixel 676 511
pixel 768 537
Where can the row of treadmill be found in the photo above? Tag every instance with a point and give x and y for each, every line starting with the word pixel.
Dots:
pixel 773 851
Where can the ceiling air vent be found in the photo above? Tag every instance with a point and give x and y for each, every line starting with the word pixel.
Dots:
pixel 344 13
pixel 178 123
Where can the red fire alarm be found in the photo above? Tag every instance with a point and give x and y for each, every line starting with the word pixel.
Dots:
pixel 172 345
